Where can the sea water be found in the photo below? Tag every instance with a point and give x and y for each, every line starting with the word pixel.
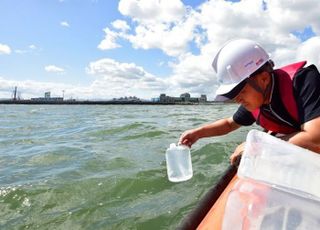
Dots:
pixel 103 166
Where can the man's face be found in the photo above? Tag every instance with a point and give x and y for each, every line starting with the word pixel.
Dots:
pixel 250 98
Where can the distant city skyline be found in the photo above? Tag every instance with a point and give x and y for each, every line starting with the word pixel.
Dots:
pixel 93 49
pixel 16 95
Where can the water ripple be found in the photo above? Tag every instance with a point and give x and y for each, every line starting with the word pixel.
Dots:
pixel 103 167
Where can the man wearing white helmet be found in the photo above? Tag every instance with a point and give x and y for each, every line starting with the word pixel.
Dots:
pixel 285 100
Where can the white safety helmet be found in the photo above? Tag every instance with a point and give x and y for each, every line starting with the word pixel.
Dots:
pixel 235 62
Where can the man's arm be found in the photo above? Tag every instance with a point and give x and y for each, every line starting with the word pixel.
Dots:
pixel 217 128
pixel 308 137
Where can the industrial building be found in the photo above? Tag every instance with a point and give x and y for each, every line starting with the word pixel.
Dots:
pixel 184 98
pixel 47 97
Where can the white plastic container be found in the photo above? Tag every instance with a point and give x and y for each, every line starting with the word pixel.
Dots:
pixel 278 187
pixel 179 166
pixel 279 163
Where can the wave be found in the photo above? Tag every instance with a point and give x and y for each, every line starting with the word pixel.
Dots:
pixel 116 130
pixel 148 134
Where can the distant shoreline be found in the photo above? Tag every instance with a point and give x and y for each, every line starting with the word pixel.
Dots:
pixel 75 102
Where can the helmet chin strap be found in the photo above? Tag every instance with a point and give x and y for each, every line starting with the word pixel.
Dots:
pixel 264 92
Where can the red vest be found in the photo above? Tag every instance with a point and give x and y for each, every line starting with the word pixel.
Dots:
pixel 285 77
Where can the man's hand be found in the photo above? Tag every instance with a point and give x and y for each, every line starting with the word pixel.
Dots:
pixel 217 128
pixel 237 153
pixel 189 137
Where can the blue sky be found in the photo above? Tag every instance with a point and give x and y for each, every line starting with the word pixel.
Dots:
pixel 38 23
pixel 94 49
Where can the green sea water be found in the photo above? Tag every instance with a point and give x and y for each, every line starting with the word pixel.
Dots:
pixel 103 167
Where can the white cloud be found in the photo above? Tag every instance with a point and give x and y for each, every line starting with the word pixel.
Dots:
pixel 310 50
pixel 110 39
pixel 111 79
pixel 171 39
pixel 64 24
pixel 29 88
pixel 21 51
pixel 125 79
pixel 120 25
pixel 193 74
pixel 171 27
pixel 163 25
pixel 166 25
pixel 291 15
pixel 31 48
pixel 54 69
pixel 153 11
pixel 4 49
pixel 115 70
pixel 109 42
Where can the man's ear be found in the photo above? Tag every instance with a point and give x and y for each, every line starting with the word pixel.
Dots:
pixel 264 78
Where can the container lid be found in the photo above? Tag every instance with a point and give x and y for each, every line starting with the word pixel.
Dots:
pixel 181 147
